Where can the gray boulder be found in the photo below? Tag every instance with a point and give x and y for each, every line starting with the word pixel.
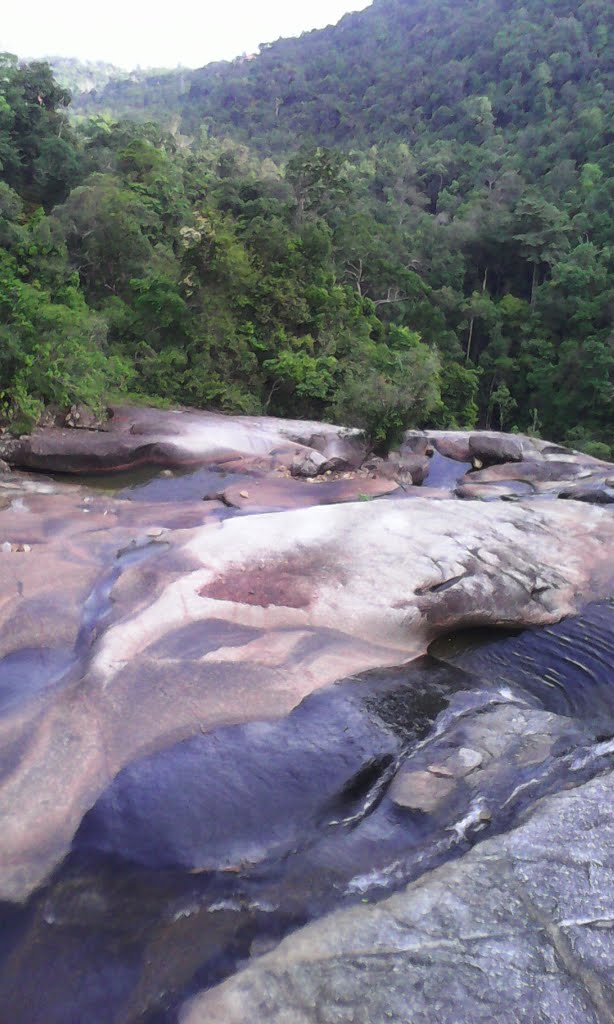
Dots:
pixel 518 930
pixel 491 449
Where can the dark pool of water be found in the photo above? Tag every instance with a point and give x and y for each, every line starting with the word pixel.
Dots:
pixel 152 484
pixel 444 472
pixel 569 666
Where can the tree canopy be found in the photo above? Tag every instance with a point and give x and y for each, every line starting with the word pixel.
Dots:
pixel 403 219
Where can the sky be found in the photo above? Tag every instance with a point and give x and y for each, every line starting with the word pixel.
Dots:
pixel 173 32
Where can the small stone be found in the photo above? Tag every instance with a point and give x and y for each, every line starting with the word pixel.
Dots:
pixel 24 547
pixel 244 494
pixel 6 547
pixel 155 531
pixel 440 769
pixel 462 762
pixel 485 814
pixel 167 472
pixel 420 791
pixel 468 759
pixel 477 464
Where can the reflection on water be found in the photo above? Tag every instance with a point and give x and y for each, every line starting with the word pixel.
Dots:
pixel 152 484
pixel 444 472
pixel 569 666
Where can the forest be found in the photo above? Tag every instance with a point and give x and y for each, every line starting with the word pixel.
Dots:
pixel 402 220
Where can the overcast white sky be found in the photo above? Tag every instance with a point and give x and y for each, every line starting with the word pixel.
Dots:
pixel 131 32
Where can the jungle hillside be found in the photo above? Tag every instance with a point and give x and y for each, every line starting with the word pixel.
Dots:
pixel 402 220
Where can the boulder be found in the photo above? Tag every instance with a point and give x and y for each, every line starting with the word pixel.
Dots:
pixel 417 442
pixel 519 929
pixel 81 417
pixel 173 438
pixel 492 449
pixel 404 466
pixel 308 464
pixel 346 449
pixel 421 791
pixel 596 495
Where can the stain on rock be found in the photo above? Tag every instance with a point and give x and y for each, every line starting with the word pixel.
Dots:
pixel 292 583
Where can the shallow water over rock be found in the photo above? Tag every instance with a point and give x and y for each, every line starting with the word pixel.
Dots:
pixel 207 853
pixel 568 667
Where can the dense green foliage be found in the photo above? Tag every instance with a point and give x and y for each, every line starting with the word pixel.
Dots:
pixel 439 250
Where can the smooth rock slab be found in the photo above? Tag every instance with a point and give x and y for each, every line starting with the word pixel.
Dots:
pixel 265 495
pixel 179 437
pixel 331 591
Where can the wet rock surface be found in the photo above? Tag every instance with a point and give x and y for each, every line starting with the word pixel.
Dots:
pixel 233 785
pixel 493 936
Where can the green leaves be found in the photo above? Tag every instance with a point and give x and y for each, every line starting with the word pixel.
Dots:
pixel 454 269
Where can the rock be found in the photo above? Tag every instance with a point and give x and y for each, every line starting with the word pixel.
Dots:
pixel 309 464
pixel 416 442
pixel 172 722
pixel 411 467
pixel 178 438
pixel 275 494
pixel 420 791
pixel 452 445
pixel 345 450
pixel 491 449
pixel 511 490
pixel 6 547
pixel 462 762
pixel 4 467
pixel 327 591
pixel 486 445
pixel 531 471
pixel 403 466
pixel 593 495
pixel 529 910
pixel 81 417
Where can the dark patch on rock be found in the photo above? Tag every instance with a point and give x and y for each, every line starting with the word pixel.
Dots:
pixel 288 584
pixel 200 638
pixel 593 495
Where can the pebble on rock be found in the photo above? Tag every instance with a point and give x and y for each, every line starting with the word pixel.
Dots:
pixel 462 762
pixel 420 791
